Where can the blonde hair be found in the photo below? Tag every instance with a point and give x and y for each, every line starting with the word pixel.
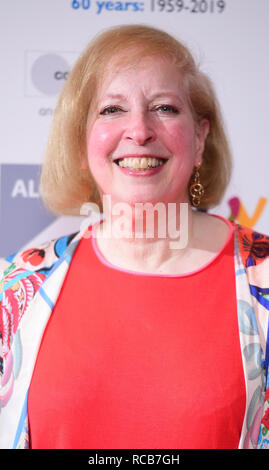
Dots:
pixel 64 185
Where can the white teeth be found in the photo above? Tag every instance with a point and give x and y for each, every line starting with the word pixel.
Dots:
pixel 140 163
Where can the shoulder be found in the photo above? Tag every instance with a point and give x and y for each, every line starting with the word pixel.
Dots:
pixel 37 258
pixel 253 250
pixel 253 246
pixel 22 274
pixel 28 268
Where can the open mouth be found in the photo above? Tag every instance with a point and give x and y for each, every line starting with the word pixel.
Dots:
pixel 140 163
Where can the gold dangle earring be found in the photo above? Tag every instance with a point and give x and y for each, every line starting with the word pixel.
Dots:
pixel 196 189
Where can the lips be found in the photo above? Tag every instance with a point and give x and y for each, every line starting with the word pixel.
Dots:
pixel 140 163
pixel 138 170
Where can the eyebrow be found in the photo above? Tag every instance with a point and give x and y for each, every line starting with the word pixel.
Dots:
pixel 119 96
pixel 114 96
pixel 164 92
pixel 169 94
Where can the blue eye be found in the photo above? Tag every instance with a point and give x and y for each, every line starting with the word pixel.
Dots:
pixel 167 108
pixel 110 110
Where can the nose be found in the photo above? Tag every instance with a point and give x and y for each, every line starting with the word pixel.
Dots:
pixel 140 129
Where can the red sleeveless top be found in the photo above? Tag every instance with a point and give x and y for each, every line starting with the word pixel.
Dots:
pixel 132 360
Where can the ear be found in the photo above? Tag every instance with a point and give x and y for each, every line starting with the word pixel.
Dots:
pixel 202 131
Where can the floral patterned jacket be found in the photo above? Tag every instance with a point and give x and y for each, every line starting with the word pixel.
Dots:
pixel 31 282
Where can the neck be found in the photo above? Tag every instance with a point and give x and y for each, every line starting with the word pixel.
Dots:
pixel 146 241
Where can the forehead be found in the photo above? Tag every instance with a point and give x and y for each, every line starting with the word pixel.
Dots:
pixel 147 73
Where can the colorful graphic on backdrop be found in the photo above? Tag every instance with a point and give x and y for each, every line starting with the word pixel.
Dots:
pixel 240 214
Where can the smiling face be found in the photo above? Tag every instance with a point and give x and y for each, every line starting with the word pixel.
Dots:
pixel 143 143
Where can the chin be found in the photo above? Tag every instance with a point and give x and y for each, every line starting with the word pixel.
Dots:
pixel 143 200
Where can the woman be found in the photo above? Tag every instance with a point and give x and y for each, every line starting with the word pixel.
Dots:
pixel 132 333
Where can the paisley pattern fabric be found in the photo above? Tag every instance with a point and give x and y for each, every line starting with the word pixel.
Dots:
pixel 31 282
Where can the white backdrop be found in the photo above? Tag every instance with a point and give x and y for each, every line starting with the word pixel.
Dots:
pixel 41 39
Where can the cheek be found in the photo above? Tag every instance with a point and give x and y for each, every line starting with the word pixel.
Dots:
pixel 182 141
pixel 101 141
pixel 182 146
